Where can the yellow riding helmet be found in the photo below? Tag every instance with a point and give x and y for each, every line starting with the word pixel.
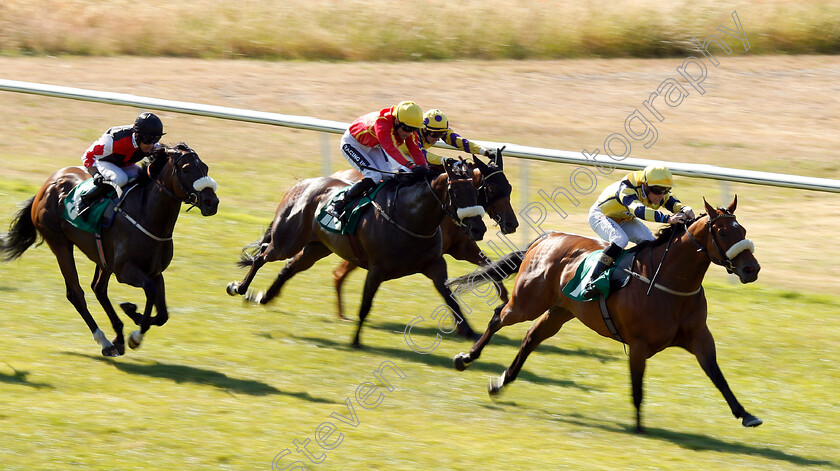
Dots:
pixel 658 175
pixel 435 121
pixel 408 113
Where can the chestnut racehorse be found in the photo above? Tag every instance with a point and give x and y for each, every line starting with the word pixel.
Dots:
pixel 493 194
pixel 136 248
pixel 673 315
pixel 400 237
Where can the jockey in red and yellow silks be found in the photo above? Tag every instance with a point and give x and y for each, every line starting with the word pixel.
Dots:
pixel 436 128
pixel 615 216
pixel 372 146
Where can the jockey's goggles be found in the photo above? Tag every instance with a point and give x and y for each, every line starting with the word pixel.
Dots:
pixel 658 190
pixel 407 128
pixel 146 139
pixel 437 135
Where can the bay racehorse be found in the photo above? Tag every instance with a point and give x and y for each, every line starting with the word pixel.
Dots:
pixel 137 247
pixel 673 315
pixel 400 237
pixel 493 195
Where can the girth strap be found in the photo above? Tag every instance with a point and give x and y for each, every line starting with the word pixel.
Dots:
pixel 605 313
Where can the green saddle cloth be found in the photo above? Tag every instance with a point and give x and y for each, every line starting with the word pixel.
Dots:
pixel 91 220
pixel 584 272
pixel 347 224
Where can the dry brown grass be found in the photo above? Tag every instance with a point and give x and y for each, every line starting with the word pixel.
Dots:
pixel 407 30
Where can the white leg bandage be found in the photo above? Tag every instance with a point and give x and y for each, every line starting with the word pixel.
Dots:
pixel 100 337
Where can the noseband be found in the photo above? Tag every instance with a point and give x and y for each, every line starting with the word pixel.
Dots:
pixel 460 213
pixel 727 255
pixel 190 197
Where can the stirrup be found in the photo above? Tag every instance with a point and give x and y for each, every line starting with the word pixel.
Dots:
pixel 332 211
pixel 590 291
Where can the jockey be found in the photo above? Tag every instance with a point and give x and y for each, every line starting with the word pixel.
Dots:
pixel 111 158
pixel 372 146
pixel 615 216
pixel 435 128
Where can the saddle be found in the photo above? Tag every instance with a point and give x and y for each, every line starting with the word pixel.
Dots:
pixel 613 279
pixel 353 212
pixel 99 215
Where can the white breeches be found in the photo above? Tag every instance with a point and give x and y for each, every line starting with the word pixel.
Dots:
pixel 114 173
pixel 371 161
pixel 632 230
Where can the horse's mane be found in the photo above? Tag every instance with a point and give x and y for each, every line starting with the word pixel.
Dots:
pixel 664 234
pixel 160 155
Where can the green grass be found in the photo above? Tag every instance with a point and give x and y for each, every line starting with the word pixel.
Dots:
pixel 229 386
pixel 388 30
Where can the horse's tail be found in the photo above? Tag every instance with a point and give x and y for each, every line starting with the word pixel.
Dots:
pixel 250 251
pixel 495 272
pixel 21 235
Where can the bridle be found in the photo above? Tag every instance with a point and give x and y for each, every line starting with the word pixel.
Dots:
pixel 460 213
pixel 190 197
pixel 726 255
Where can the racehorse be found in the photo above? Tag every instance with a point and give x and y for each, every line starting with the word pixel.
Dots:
pixel 493 195
pixel 137 247
pixel 401 237
pixel 675 316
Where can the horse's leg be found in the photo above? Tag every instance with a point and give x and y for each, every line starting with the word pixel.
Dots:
pixel 372 282
pixel 66 263
pixel 241 287
pixel 520 308
pixel 639 353
pixel 100 289
pixel 546 326
pixel 703 347
pixel 339 275
pixel 303 260
pixel 436 272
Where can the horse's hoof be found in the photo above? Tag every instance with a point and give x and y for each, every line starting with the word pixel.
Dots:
pixel 255 298
pixel 112 351
pixel 495 386
pixel 134 340
pixel 461 361
pixel 233 288
pixel 120 346
pixel 750 421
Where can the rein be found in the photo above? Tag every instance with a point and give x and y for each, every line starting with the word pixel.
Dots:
pixel 395 223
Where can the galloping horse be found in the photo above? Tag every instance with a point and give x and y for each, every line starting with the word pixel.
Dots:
pixel 674 316
pixel 137 247
pixel 401 237
pixel 493 195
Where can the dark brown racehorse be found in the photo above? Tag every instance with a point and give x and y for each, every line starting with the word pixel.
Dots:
pixel 673 315
pixel 400 236
pixel 493 195
pixel 137 247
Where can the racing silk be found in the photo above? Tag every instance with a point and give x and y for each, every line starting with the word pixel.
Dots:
pixel 626 199
pixel 377 129
pixel 116 146
pixel 453 139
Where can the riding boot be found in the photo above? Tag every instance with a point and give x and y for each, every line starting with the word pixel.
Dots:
pixel 354 192
pixel 605 262
pixel 88 199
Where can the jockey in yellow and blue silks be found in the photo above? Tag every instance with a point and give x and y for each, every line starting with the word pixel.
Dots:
pixel 615 216
pixel 436 128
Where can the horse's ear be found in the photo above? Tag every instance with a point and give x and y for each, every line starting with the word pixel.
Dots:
pixel 732 206
pixel 498 158
pixel 482 167
pixel 709 209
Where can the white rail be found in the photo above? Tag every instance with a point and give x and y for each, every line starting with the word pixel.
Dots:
pixel 336 127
